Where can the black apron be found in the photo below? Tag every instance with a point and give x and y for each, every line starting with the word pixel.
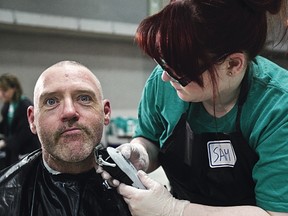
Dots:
pixel 210 168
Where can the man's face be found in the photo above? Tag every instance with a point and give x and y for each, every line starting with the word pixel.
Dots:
pixel 69 113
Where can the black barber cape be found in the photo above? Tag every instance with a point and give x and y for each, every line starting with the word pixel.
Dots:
pixel 28 189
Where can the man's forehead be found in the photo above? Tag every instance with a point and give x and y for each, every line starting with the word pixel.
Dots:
pixel 67 72
pixel 66 75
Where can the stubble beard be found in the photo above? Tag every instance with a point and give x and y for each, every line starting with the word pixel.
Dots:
pixel 71 149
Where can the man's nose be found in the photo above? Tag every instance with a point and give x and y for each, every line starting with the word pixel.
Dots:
pixel 69 111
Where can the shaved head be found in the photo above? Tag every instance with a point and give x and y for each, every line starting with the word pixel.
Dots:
pixel 69 115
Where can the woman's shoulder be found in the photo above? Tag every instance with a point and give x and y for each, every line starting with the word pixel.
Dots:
pixel 269 74
pixel 269 83
pixel 265 108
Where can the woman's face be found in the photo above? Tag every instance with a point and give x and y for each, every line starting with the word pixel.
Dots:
pixel 195 93
pixel 7 95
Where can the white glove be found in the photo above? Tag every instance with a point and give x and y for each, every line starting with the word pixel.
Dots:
pixel 136 153
pixel 155 201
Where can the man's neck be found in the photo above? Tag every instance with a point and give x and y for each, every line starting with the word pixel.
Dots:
pixel 55 166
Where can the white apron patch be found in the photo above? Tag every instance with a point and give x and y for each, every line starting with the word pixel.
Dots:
pixel 221 154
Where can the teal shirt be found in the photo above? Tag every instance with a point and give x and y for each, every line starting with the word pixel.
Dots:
pixel 264 124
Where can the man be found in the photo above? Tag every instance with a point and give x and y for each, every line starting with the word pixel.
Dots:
pixel 68 116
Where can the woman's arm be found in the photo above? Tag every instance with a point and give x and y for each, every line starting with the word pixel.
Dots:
pixel 202 210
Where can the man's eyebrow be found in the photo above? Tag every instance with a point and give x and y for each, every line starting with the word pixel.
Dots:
pixel 79 91
pixel 86 91
pixel 46 94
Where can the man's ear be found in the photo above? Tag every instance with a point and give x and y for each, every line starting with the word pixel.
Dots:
pixel 107 111
pixel 237 63
pixel 30 116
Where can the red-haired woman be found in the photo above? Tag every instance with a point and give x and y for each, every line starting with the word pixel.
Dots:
pixel 218 124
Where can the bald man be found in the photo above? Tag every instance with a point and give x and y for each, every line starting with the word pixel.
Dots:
pixel 68 115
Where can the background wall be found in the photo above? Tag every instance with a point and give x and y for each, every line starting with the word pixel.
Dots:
pixel 98 33
pixel 114 10
pixel 118 64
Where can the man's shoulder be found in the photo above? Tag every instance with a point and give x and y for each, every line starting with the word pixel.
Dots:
pixel 20 169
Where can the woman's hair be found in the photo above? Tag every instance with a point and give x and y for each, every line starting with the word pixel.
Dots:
pixel 192 35
pixel 8 81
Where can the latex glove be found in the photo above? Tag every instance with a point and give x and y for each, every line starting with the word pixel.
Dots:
pixel 2 144
pixel 155 201
pixel 136 153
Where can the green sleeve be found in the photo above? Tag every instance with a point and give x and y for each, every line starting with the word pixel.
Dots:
pixel 271 171
pixel 265 125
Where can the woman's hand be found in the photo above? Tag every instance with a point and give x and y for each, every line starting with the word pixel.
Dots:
pixel 155 201
pixel 134 152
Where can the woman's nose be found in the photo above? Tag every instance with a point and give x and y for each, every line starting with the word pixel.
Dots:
pixel 1 95
pixel 165 77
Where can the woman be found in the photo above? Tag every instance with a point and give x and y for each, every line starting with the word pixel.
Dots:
pixel 18 139
pixel 218 124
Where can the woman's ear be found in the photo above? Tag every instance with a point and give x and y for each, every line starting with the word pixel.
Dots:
pixel 237 63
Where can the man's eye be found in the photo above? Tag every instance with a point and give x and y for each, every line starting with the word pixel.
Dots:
pixel 85 98
pixel 50 102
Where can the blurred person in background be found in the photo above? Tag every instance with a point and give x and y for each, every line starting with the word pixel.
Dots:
pixel 17 138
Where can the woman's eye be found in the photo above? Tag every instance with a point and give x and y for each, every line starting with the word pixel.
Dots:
pixel 50 102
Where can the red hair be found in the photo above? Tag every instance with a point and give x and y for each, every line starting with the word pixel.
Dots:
pixel 192 35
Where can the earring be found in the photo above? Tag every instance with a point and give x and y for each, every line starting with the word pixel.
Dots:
pixel 230 73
